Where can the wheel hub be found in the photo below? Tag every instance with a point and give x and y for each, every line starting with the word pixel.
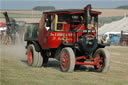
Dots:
pixel 30 56
pixel 99 62
pixel 65 60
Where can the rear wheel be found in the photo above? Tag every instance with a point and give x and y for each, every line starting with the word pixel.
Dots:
pixel 102 60
pixel 34 58
pixel 67 60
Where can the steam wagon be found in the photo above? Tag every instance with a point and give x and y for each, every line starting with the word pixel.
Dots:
pixel 70 36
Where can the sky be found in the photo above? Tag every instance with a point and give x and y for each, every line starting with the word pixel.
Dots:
pixel 59 4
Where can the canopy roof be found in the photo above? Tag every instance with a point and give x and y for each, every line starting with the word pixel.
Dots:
pixel 70 11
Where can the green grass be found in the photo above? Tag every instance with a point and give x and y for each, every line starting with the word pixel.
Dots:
pixel 15 15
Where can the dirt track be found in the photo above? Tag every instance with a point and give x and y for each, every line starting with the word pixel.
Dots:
pixel 15 70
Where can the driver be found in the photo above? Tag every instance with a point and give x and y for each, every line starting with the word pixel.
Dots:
pixel 47 24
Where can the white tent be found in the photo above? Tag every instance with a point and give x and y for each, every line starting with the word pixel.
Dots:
pixel 116 26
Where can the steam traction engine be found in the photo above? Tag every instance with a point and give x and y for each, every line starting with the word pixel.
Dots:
pixel 13 27
pixel 70 36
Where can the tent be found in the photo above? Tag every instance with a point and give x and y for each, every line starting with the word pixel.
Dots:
pixel 115 26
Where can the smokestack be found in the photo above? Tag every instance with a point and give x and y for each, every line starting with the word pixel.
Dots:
pixel 6 17
pixel 88 7
pixel 87 15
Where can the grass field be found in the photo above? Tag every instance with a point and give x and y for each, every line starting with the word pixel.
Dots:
pixel 105 12
pixel 26 15
pixel 17 15
pixel 15 71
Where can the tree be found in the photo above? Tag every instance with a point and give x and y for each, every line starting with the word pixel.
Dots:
pixel 42 8
pixel 123 7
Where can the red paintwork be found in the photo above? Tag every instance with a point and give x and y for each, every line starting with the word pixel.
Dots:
pixel 65 60
pixel 80 57
pixel 80 27
pixel 85 63
pixel 95 12
pixel 49 39
pixel 66 12
pixel 57 37
pixel 66 27
pixel 92 12
pixel 43 33
pixel 2 24
pixel 97 61
pixel 30 56
pixel 54 39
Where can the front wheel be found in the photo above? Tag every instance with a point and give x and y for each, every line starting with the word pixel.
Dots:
pixel 102 60
pixel 67 60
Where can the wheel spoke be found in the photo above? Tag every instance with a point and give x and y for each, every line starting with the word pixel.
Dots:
pixel 65 60
pixel 99 66
pixel 100 60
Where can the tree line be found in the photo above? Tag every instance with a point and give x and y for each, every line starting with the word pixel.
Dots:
pixel 43 8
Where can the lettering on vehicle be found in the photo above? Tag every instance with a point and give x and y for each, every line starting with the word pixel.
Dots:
pixel 61 34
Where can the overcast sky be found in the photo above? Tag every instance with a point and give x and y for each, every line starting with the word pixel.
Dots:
pixel 60 4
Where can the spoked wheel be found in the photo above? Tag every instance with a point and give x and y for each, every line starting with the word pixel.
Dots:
pixel 34 58
pixel 67 60
pixel 102 60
